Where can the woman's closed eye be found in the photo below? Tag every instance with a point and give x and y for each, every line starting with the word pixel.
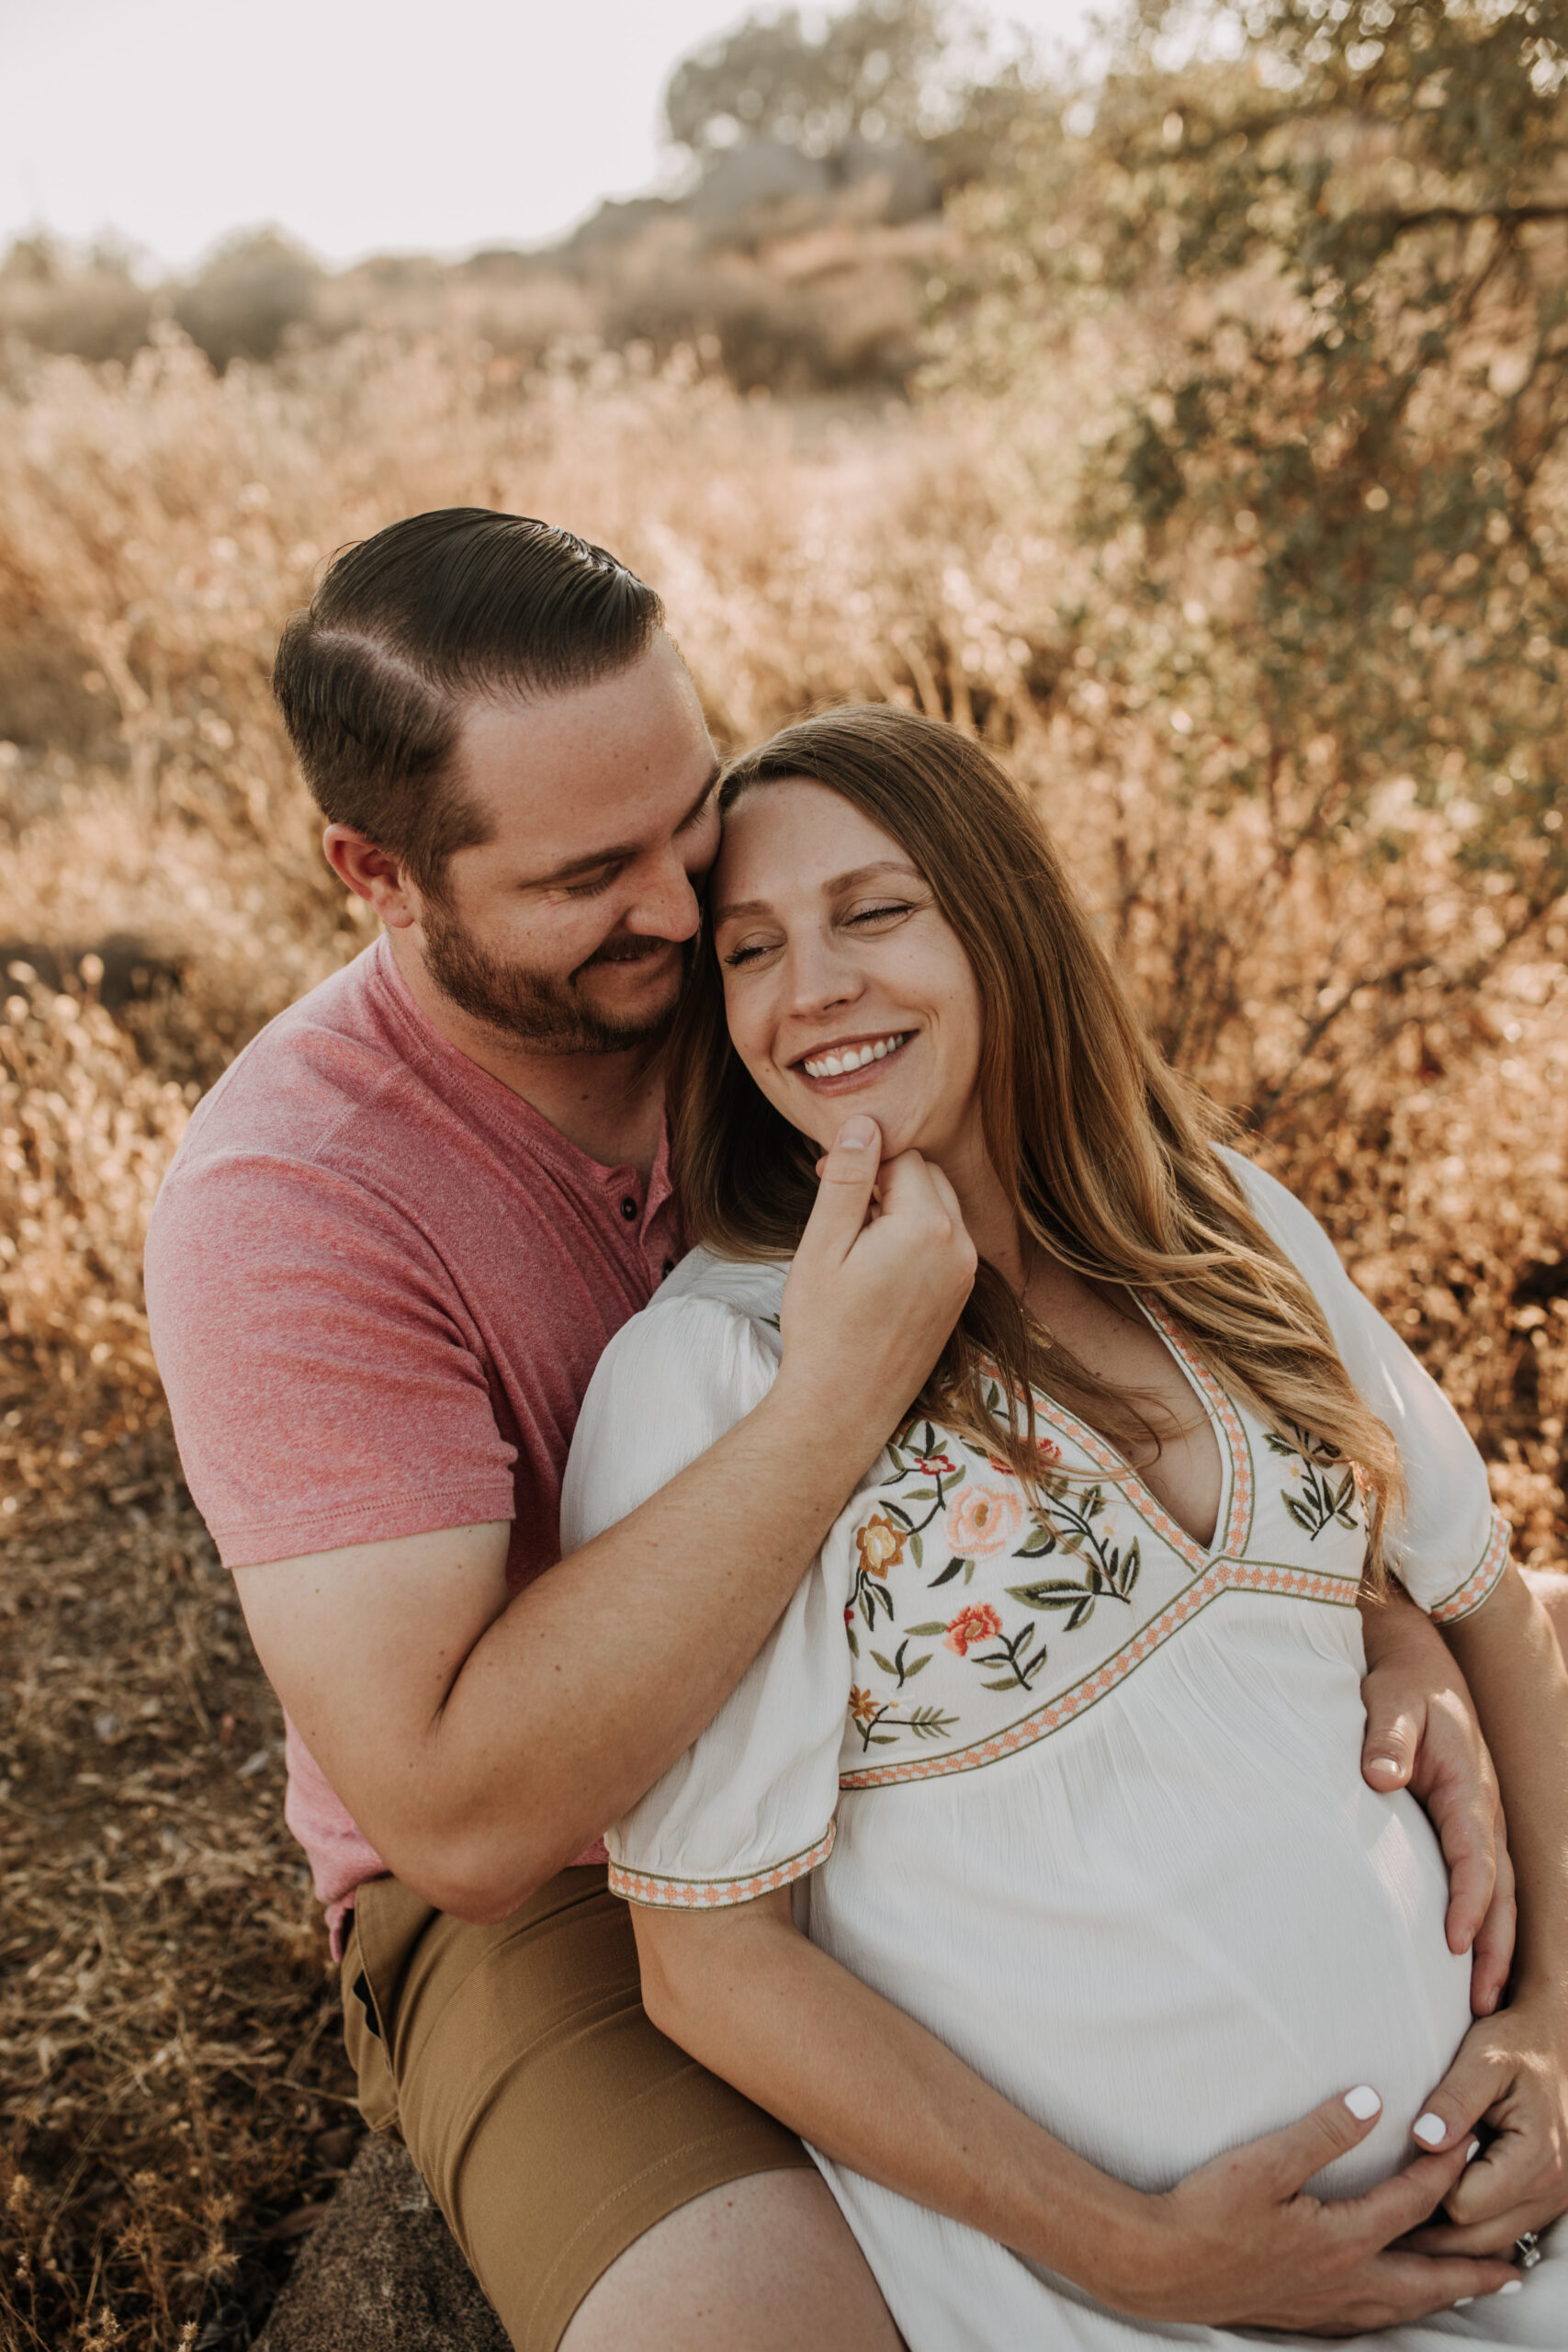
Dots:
pixel 883 915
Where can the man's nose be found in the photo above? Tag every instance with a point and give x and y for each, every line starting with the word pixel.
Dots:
pixel 667 906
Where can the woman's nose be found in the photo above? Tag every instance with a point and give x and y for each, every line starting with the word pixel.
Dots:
pixel 818 976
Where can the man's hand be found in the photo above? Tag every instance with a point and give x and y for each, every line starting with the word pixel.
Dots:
pixel 1423 1734
pixel 1511 2074
pixel 880 1278
pixel 1240 2243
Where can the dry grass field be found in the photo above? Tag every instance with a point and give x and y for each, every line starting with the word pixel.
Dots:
pixel 173 2103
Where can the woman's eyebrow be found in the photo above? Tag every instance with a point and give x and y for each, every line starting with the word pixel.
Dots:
pixel 857 874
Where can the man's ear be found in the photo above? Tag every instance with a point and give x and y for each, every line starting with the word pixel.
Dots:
pixel 372 874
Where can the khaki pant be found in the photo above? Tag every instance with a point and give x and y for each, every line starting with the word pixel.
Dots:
pixel 552 2124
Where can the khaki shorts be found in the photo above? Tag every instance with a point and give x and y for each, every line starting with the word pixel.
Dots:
pixel 552 2124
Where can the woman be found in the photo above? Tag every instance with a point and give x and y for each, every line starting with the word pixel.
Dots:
pixel 1030 1870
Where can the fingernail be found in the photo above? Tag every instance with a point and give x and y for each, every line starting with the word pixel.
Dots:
pixel 1362 2102
pixel 1510 2286
pixel 1389 1764
pixel 1463 2301
pixel 1473 2152
pixel 1430 2129
pixel 856 1133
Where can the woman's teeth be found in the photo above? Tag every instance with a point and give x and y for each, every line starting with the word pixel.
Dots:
pixel 853 1057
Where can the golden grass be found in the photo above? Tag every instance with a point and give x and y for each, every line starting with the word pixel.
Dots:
pixel 173 2098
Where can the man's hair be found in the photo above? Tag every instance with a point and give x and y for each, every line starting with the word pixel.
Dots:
pixel 406 627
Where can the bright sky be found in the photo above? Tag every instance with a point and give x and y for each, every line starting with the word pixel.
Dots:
pixel 355 125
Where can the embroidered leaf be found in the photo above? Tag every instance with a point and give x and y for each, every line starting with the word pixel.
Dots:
pixel 850 1637
pixel 1057 1594
pixel 947 1574
pixel 1301 1514
pixel 930 1722
pixel 885 1663
pixel 893 1511
pixel 918 1550
pixel 1039 1546
pixel 882 1739
pixel 914 1666
pixel 1276 1443
pixel 936 1626
pixel 922 1494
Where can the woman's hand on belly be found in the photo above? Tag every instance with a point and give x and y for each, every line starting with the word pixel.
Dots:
pixel 1511 2074
pixel 1240 2243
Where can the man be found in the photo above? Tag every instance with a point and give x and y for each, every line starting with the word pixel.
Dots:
pixel 384 1262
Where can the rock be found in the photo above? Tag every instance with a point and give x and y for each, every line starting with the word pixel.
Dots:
pixel 381 2272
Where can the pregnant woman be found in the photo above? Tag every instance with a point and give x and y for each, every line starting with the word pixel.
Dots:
pixel 1029 1872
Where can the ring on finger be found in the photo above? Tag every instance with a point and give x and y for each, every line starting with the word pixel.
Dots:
pixel 1527 2248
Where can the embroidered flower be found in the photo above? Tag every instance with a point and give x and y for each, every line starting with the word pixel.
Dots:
pixel 978 1622
pixel 880 1545
pixel 933 1465
pixel 862 1706
pixel 1045 1447
pixel 980 1523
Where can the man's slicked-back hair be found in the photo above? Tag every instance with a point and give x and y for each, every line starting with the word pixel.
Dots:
pixel 407 627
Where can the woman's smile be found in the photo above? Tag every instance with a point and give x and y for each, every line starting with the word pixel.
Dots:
pixel 837 1066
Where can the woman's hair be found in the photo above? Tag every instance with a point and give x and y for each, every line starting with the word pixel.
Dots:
pixel 1106 1154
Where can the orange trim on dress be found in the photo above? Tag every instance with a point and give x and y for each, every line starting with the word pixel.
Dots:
pixel 711 1893
pixel 1481 1577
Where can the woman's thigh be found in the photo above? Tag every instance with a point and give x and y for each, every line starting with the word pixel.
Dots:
pixel 766 2263
pixel 553 2124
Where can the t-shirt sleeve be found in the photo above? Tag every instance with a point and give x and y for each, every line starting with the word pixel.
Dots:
pixel 751 1804
pixel 1449 1547
pixel 324 1386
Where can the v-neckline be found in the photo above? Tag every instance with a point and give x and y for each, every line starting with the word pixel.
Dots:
pixel 1229 1436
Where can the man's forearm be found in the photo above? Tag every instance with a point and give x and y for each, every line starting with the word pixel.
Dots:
pixel 1514 1667
pixel 601 1672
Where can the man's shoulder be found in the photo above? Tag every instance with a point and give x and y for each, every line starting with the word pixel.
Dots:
pixel 309 1073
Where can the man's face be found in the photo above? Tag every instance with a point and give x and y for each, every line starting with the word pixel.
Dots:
pixel 568 931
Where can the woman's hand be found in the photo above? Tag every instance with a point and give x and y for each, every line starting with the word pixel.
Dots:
pixel 1423 1733
pixel 1512 2074
pixel 1240 2243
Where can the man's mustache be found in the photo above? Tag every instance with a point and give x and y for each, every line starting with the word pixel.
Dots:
pixel 629 951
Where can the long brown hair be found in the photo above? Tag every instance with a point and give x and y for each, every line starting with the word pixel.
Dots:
pixel 1105 1152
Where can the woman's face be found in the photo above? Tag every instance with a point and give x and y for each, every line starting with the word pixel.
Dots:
pixel 845 987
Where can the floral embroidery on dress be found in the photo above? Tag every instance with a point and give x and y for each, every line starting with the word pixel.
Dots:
pixel 1323 1499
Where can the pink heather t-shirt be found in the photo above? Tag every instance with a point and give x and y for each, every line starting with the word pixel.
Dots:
pixel 378 1285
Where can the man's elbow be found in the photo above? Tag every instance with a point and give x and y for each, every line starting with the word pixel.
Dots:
pixel 470 1879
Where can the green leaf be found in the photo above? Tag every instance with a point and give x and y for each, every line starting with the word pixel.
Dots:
pixel 853 1642
pixel 1009 1683
pixel 946 1576
pixel 885 1663
pixel 883 1738
pixel 918 1550
pixel 914 1666
pixel 935 1626
pixel 922 1494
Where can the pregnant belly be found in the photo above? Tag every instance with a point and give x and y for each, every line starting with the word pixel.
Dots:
pixel 1168 1936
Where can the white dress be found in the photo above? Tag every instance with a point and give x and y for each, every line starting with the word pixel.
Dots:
pixel 1081 1795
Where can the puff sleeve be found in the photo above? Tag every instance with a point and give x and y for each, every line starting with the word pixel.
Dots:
pixel 1450 1545
pixel 751 1804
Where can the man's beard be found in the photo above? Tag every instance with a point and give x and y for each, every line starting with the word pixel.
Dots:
pixel 536 1008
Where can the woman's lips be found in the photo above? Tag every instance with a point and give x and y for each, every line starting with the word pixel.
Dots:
pixel 824 1080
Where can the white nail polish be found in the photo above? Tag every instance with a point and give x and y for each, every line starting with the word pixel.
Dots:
pixel 1510 2286
pixel 1430 2129
pixel 1473 2152
pixel 1462 2301
pixel 1362 2102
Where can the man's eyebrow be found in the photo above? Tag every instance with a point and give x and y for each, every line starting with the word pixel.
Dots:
pixel 622 851
pixel 840 882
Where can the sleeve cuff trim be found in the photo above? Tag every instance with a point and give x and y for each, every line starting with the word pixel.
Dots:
pixel 713 1894
pixel 1481 1577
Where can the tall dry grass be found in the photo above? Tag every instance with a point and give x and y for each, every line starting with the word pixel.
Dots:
pixel 172 2100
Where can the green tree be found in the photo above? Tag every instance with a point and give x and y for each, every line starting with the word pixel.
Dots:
pixel 1337 243
pixel 867 74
